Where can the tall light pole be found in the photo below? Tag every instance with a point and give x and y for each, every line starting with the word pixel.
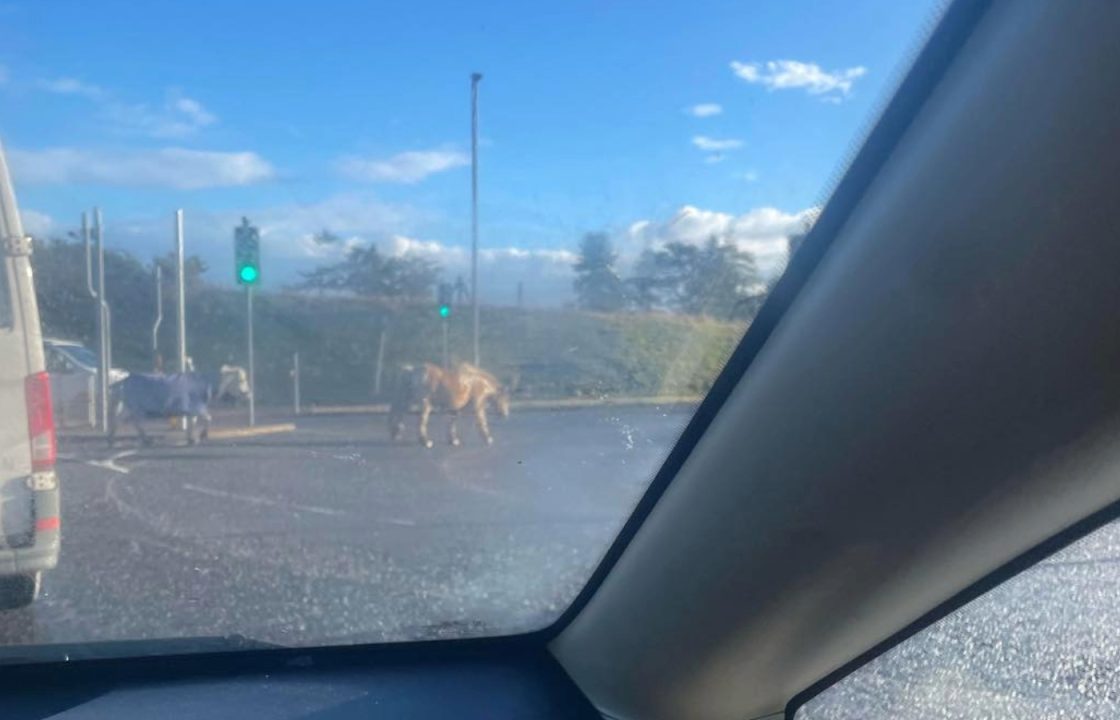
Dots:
pixel 104 326
pixel 157 362
pixel 475 78
pixel 181 290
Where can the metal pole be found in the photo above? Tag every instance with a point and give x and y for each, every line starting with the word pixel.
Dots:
pixel 295 381
pixel 89 259
pixel 99 401
pixel 446 358
pixel 105 359
pixel 181 291
pixel 475 78
pixel 159 315
pixel 181 310
pixel 252 378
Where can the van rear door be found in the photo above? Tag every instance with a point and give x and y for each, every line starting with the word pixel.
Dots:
pixel 21 358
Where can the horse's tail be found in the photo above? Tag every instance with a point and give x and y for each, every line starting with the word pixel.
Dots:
pixel 400 400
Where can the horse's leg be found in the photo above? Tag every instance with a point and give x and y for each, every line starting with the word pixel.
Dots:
pixel 204 434
pixel 114 419
pixel 453 429
pixel 396 425
pixel 480 418
pixel 138 422
pixel 425 413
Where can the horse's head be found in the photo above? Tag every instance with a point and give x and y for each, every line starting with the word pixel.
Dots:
pixel 501 402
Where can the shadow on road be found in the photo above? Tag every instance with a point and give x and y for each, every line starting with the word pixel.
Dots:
pixel 313 444
pixel 185 454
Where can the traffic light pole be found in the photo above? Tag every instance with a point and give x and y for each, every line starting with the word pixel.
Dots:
pixel 252 377
pixel 446 357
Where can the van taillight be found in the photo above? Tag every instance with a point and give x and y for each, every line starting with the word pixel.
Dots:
pixel 40 421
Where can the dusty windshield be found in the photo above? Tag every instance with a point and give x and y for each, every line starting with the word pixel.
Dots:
pixel 392 313
pixel 81 355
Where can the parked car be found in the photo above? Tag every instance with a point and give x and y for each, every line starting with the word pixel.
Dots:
pixel 73 369
pixel 29 502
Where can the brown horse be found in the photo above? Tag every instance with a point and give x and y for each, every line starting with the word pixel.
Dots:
pixel 433 388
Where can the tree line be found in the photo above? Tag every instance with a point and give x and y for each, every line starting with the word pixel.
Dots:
pixel 717 278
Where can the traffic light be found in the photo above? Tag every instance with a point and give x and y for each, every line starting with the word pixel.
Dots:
pixel 247 253
pixel 443 300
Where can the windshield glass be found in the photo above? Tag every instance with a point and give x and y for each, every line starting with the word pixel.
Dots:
pixel 446 281
pixel 79 354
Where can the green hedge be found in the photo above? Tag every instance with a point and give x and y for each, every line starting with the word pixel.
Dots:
pixel 544 353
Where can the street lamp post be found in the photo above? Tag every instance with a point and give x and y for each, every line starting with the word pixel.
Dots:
pixel 181 309
pixel 475 78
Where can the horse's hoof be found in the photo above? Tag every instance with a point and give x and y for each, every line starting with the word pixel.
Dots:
pixel 426 443
pixel 455 442
pixel 489 441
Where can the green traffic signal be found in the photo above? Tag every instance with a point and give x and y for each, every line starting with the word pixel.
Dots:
pixel 444 311
pixel 247 253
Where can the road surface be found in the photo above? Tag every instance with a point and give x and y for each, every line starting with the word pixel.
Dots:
pixel 332 534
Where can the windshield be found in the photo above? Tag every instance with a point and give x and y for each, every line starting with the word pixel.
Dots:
pixel 79 354
pixel 415 298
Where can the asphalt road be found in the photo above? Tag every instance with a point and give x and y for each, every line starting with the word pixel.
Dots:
pixel 333 534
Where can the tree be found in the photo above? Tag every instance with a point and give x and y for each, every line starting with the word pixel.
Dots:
pixel 718 279
pixel 367 272
pixel 67 310
pixel 194 268
pixel 597 284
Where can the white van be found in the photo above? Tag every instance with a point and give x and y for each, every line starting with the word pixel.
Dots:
pixel 29 504
pixel 73 370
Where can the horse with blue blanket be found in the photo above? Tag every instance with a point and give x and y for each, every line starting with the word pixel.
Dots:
pixel 141 396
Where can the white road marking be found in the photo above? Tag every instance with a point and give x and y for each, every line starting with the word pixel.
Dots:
pixel 252 499
pixel 111 462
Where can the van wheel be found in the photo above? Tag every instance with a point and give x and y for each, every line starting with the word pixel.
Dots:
pixel 17 591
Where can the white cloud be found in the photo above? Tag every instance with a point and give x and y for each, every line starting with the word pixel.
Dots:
pixel 406 167
pixel 545 274
pixel 172 167
pixel 455 255
pixel 287 232
pixel 71 86
pixel 192 110
pixel 179 116
pixel 36 224
pixel 762 231
pixel 355 217
pixel 704 110
pixel 792 74
pixel 708 144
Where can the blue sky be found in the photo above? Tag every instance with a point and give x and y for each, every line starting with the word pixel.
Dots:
pixel 651 121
